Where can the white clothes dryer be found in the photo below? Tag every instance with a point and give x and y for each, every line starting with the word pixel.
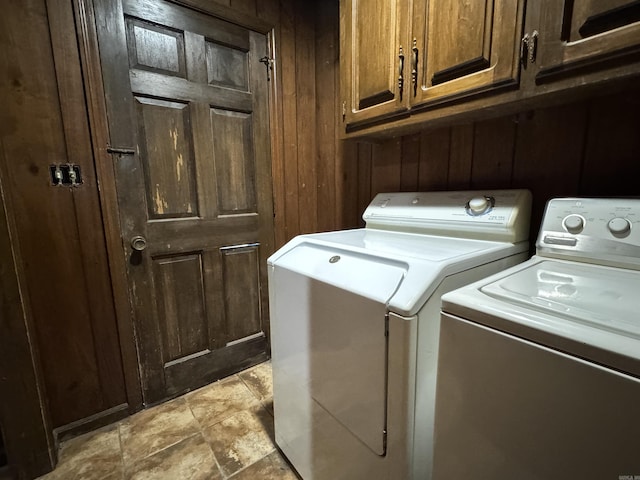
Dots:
pixel 354 327
pixel 539 365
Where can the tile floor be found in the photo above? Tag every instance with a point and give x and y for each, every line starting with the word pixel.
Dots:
pixel 221 431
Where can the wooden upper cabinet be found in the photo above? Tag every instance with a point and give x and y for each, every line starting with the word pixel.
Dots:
pixel 463 47
pixel 373 41
pixel 405 63
pixel 578 37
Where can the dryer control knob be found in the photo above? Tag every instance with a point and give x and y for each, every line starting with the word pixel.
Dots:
pixel 479 205
pixel 619 226
pixel 573 223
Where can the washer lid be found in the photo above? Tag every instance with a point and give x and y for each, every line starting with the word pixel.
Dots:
pixel 607 298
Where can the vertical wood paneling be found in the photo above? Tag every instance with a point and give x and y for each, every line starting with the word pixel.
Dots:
pixel 306 116
pixel 549 153
pixel 612 154
pixel 289 209
pixel 65 290
pixel 410 163
pixel 25 426
pixel 589 148
pixel 91 228
pixel 327 59
pixel 493 152
pixel 364 162
pixel 385 166
pixel 347 185
pixel 311 168
pixel 461 157
pixel 434 159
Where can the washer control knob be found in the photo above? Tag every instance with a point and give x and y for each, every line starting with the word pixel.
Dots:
pixel 573 223
pixel 619 226
pixel 479 205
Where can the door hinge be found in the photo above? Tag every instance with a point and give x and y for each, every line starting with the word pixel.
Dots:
pixel 268 62
pixel 344 110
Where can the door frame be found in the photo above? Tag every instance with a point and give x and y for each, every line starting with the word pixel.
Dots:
pixel 86 31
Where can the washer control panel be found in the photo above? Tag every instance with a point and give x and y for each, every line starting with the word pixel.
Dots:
pixel 500 215
pixel 595 230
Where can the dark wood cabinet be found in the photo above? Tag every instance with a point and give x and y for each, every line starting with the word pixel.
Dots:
pixel 576 38
pixel 375 60
pixel 466 58
pixel 396 56
pixel 463 48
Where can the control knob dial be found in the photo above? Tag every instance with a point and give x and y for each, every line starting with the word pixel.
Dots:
pixel 573 223
pixel 619 226
pixel 479 205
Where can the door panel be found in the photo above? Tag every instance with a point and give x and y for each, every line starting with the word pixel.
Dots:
pixel 239 274
pixel 373 72
pixel 166 151
pixel 234 161
pixel 463 48
pixel 196 103
pixel 181 305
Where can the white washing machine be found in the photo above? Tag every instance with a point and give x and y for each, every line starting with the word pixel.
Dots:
pixel 539 366
pixel 354 327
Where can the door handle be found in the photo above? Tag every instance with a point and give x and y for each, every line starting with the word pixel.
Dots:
pixel 138 243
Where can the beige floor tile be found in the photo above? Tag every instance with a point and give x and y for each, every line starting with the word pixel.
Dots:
pixel 271 467
pixel 155 429
pixel 241 440
pixel 259 380
pixel 94 456
pixel 190 459
pixel 220 400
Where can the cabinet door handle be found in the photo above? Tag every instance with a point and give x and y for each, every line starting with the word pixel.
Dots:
pixel 524 50
pixel 401 72
pixel 533 47
pixel 414 67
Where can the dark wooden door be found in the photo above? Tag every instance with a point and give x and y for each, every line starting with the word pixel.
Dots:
pixel 187 100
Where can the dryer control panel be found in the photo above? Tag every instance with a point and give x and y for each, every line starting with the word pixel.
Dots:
pixel 603 231
pixel 500 215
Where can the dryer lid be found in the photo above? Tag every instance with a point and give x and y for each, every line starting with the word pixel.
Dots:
pixel 602 297
pixel 369 276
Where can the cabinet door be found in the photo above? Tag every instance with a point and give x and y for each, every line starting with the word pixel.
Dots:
pixel 462 48
pixel 374 75
pixel 576 37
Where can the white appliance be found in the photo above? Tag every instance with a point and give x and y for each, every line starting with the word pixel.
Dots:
pixel 354 327
pixel 539 365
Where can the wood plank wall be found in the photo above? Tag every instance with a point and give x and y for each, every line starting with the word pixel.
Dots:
pixel 584 148
pixel 589 148
pixel 306 159
pixel 62 258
